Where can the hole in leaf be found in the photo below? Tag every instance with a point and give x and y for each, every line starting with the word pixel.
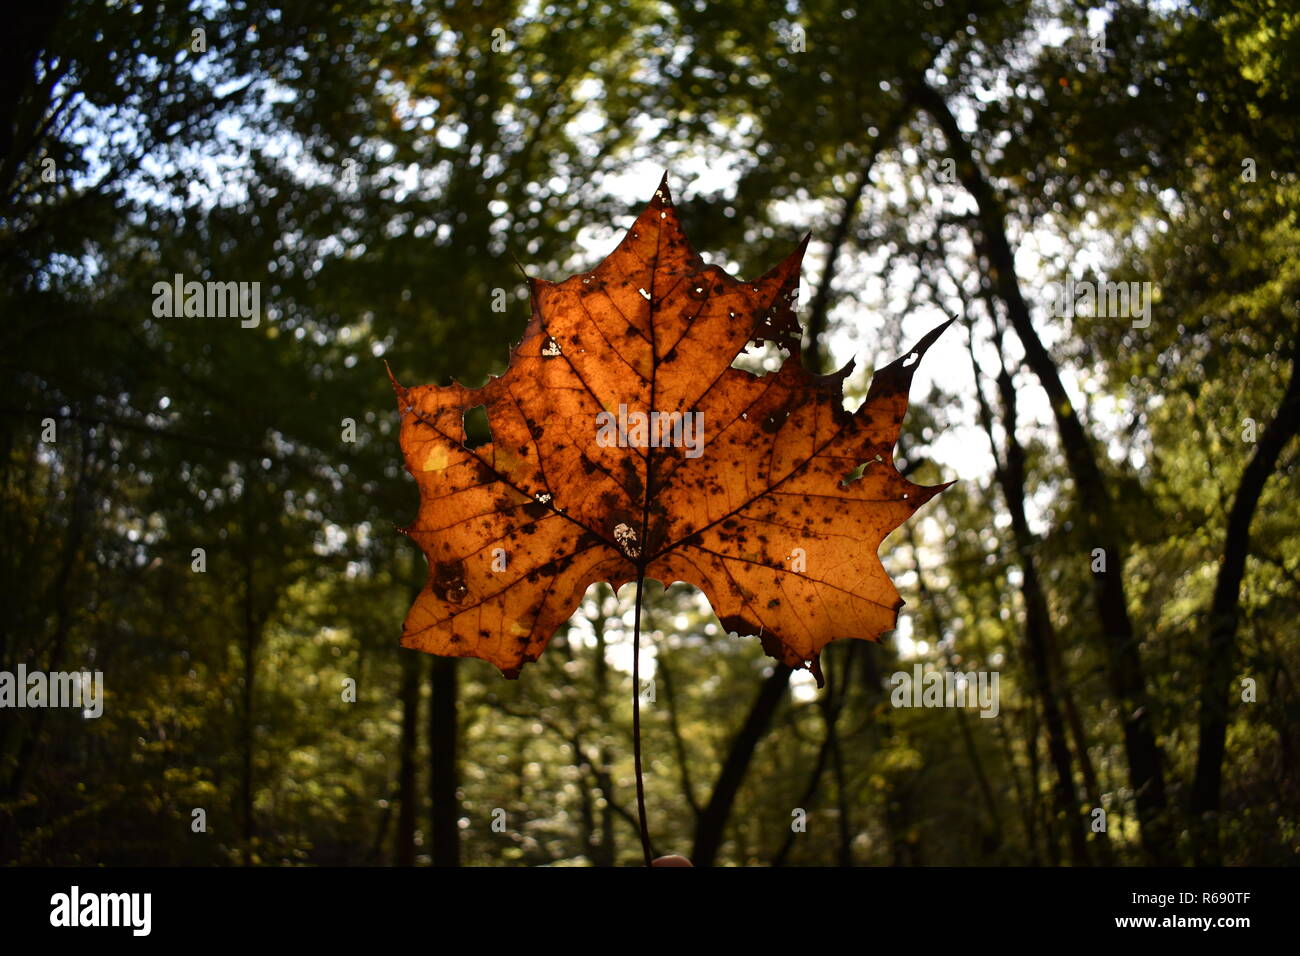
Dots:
pixel 626 538
pixel 910 360
pixel 861 470
pixel 760 358
pixel 477 430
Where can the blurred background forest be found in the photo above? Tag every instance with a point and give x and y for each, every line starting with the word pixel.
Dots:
pixel 1122 547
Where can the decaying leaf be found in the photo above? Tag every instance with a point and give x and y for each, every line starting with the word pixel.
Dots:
pixel 624 442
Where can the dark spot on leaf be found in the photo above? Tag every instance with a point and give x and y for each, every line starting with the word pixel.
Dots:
pixel 735 624
pixel 449 581
pixel 631 479
pixel 772 423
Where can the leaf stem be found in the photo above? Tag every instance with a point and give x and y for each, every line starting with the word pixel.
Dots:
pixel 636 720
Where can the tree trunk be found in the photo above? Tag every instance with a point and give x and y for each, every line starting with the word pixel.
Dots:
pixel 608 840
pixel 814 357
pixel 830 715
pixel 1220 657
pixel 1128 682
pixel 26 36
pixel 1038 625
pixel 993 829
pixel 1038 616
pixel 404 842
pixel 82 497
pixel 444 731
pixel 252 629
pixel 712 824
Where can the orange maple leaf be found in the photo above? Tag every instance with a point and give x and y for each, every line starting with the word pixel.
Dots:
pixel 625 445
